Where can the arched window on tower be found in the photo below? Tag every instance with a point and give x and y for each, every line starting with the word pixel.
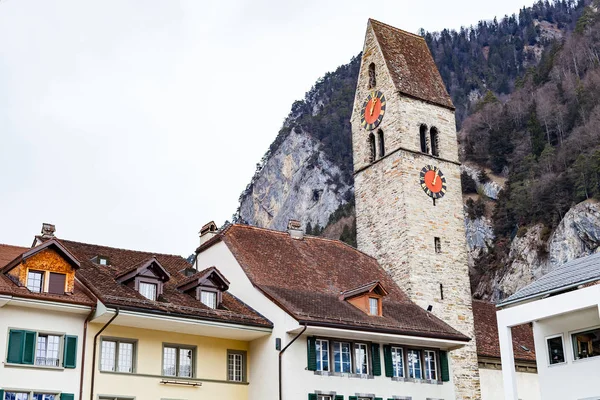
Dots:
pixel 424 141
pixel 381 143
pixel 371 147
pixel 435 145
pixel 372 81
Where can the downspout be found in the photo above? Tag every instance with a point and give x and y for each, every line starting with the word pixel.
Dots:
pixel 94 352
pixel 85 325
pixel 280 354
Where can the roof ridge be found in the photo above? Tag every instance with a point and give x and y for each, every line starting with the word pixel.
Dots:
pixel 12 245
pixel 402 31
pixel 152 254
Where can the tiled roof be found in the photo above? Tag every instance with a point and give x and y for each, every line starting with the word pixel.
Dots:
pixel 411 65
pixel 564 277
pixel 486 333
pixel 101 279
pixel 306 277
pixel 9 253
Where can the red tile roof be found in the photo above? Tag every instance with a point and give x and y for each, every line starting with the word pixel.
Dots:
pixel 486 333
pixel 411 65
pixel 9 253
pixel 306 277
pixel 101 280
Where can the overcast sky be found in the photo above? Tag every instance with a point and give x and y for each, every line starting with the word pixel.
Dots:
pixel 131 123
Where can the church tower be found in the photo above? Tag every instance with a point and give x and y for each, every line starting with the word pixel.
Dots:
pixel 409 205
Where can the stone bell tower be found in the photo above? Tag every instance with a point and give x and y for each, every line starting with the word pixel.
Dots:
pixel 407 184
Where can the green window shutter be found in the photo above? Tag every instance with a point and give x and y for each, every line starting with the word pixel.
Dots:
pixel 311 352
pixel 375 359
pixel 444 368
pixel 67 396
pixel 387 361
pixel 1 394
pixel 70 352
pixel 338 397
pixel 312 396
pixel 378 398
pixel 29 347
pixel 352 398
pixel 15 347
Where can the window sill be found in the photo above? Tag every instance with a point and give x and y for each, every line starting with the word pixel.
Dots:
pixel 344 374
pixel 117 372
pixel 413 380
pixel 587 359
pixel 47 367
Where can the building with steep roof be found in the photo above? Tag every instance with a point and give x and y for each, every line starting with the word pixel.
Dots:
pixel 342 328
pixel 563 308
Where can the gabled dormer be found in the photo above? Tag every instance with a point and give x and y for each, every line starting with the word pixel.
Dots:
pixel 46 268
pixel 366 298
pixel 147 278
pixel 207 286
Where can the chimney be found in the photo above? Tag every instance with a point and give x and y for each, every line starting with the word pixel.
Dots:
pixel 207 232
pixel 48 230
pixel 295 229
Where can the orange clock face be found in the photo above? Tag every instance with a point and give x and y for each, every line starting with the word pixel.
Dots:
pixel 433 181
pixel 372 111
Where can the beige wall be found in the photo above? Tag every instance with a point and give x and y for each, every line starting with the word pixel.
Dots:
pixel 144 384
pixel 492 385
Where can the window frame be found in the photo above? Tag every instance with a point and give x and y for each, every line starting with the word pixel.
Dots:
pixel 42 280
pixel 319 353
pixel 331 360
pixel 156 289
pixel 377 300
pixel 214 292
pixel 111 397
pixel 392 348
pixel 60 350
pixel 571 334
pixel 31 393
pixel 332 350
pixel 179 347
pixel 355 347
pixel 436 365
pixel 244 355
pixel 562 340
pixel 118 341
pixel 421 362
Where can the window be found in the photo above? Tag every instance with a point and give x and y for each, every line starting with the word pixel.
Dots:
pixel 322 347
pixel 423 136
pixel 371 147
pixel 236 366
pixel 556 354
pixel 437 243
pixel 102 260
pixel 361 359
pixel 373 306
pixel 372 80
pixel 148 290
pixel 114 398
pixel 209 299
pixel 342 361
pixel 30 396
pixel 324 397
pixel 586 344
pixel 35 281
pixel 56 283
pixel 430 365
pixel 381 143
pixel 16 396
pixel 47 350
pixel 117 355
pixel 178 361
pixel 398 362
pixel 434 141
pixel 414 364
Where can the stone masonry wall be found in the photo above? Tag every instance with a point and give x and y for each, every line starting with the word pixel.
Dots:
pixel 397 221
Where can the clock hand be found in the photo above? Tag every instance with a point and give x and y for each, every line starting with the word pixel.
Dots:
pixel 435 175
pixel 373 106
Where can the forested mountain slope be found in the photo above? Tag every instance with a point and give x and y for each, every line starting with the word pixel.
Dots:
pixel 527 92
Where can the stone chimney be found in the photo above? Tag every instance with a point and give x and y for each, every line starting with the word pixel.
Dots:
pixel 207 232
pixel 295 229
pixel 48 231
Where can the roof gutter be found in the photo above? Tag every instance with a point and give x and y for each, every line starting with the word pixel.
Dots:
pixel 281 354
pixel 545 293
pixel 95 350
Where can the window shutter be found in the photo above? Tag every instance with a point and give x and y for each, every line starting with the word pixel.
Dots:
pixel 444 368
pixel 375 359
pixel 312 354
pixel 67 396
pixel 15 347
pixel 56 284
pixel 312 396
pixel 352 398
pixel 378 398
pixel 1 394
pixel 338 397
pixel 387 361
pixel 29 347
pixel 70 352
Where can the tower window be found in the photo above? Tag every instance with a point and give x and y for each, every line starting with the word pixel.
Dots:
pixel 438 244
pixel 371 147
pixel 381 143
pixel 434 142
pixel 441 291
pixel 423 135
pixel 372 81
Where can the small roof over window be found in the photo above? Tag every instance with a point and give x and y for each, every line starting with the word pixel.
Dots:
pixel 151 266
pixel 209 277
pixel 374 287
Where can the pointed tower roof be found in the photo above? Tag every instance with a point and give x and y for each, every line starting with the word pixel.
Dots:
pixel 410 64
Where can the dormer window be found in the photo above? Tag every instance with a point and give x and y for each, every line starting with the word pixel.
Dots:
pixel 208 298
pixel 102 260
pixel 366 298
pixel 148 290
pixel 35 281
pixel 373 306
pixel 147 278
